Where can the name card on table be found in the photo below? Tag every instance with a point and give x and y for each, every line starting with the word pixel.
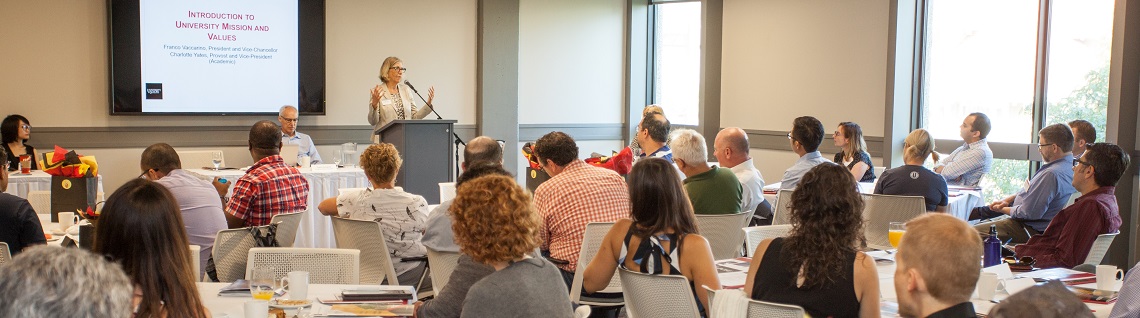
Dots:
pixel 324 167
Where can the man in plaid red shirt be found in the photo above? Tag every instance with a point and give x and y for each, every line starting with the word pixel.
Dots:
pixel 269 187
pixel 576 194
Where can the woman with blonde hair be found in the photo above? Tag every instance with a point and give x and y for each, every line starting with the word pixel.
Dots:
pixel 393 99
pixel 401 215
pixel 913 178
pixel 849 138
pixel 496 224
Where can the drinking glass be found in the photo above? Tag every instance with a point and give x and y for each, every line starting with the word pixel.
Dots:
pixel 262 283
pixel 217 159
pixel 895 233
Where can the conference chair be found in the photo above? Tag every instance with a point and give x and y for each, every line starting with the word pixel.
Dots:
pixel 446 191
pixel 592 241
pixel 1099 248
pixel 5 253
pixel 657 296
pixel 721 230
pixel 287 227
pixel 754 234
pixel 442 264
pixel 231 250
pixel 879 210
pixel 197 159
pixel 40 201
pixel 782 214
pixel 368 238
pixel 762 309
pixel 195 261
pixel 325 265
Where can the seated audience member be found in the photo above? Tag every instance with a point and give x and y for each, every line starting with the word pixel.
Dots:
pixel 269 187
pixel 495 224
pixel 481 151
pixel 19 225
pixel 1083 133
pixel 634 146
pixel 712 190
pixel 966 165
pixel 849 138
pixel 288 118
pixel 201 210
pixel 141 229
pixel 51 282
pixel 914 179
pixel 15 131
pixel 650 241
pixel 937 267
pixel 731 150
pixel 575 195
pixel 448 302
pixel 401 215
pixel 651 137
pixel 806 135
pixel 1031 209
pixel 818 266
pixel 1069 237
pixel 1128 300
pixel 1049 300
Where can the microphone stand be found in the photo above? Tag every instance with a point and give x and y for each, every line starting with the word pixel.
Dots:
pixel 458 141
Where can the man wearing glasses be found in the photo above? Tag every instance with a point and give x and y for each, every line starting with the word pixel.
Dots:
pixel 805 137
pixel 1031 209
pixel 288 117
pixel 1070 235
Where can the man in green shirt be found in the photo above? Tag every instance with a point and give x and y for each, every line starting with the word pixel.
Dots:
pixel 711 189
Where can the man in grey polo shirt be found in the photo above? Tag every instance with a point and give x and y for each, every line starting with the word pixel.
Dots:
pixel 197 199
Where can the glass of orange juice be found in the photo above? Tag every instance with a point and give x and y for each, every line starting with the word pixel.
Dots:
pixel 262 283
pixel 895 233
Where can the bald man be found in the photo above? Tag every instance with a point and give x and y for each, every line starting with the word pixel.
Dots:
pixel 937 267
pixel 731 150
pixel 480 151
pixel 269 187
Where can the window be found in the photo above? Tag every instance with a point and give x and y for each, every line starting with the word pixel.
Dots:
pixel 676 70
pixel 982 56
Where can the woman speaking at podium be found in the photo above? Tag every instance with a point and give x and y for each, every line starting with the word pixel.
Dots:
pixel 392 99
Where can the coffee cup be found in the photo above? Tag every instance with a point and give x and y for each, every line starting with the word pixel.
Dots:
pixel 987 286
pixel 66 220
pixel 1107 276
pixel 306 161
pixel 257 309
pixel 298 282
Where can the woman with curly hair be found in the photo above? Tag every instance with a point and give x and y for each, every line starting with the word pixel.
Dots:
pixel 401 215
pixel 818 266
pixel 141 228
pixel 496 224
pixel 659 237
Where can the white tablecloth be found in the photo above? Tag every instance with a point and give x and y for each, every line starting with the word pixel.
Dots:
pixel 20 184
pixel 961 202
pixel 233 307
pixel 315 229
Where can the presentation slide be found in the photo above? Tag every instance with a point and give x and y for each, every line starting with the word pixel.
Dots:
pixel 218 56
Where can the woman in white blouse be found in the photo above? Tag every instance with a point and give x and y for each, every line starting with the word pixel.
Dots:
pixel 392 99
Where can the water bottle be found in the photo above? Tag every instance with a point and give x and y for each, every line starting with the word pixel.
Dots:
pixel 992 254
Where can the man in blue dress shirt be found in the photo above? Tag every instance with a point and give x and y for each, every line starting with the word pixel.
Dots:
pixel 1032 208
pixel 807 134
pixel 288 117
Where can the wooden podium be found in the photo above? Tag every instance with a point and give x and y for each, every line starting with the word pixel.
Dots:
pixel 428 150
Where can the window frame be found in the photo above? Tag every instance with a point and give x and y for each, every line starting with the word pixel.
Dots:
pixel 651 67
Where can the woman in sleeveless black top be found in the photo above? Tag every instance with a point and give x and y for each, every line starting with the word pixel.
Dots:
pixel 849 138
pixel 819 266
pixel 660 237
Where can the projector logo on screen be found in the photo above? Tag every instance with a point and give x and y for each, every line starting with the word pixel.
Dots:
pixel 153 90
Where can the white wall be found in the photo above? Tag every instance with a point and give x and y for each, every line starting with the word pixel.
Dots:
pixel 571 61
pixel 789 58
pixel 57 65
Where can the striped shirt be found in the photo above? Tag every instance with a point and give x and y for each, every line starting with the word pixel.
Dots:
pixel 966 165
pixel 581 194
pixel 268 188
pixel 1128 300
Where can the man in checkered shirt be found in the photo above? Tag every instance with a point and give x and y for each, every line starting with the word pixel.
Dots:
pixel 269 187
pixel 576 194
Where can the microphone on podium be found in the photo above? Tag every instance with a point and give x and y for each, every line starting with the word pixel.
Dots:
pixel 437 116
